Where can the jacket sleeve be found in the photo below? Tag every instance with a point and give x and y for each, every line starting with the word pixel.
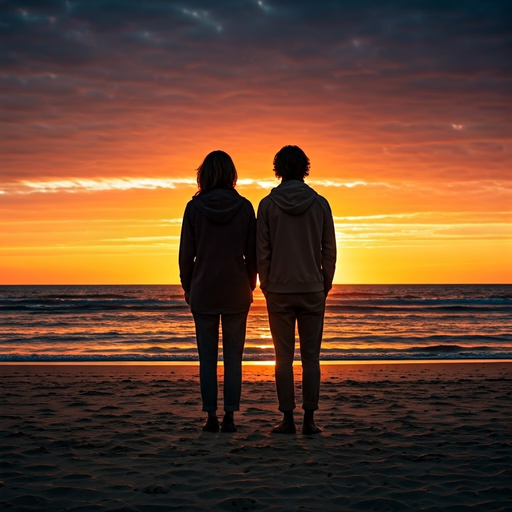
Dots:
pixel 250 249
pixel 263 247
pixel 328 248
pixel 187 253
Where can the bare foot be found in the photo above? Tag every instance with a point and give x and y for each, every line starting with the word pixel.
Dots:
pixel 211 425
pixel 228 426
pixel 309 427
pixel 285 427
pixel 228 422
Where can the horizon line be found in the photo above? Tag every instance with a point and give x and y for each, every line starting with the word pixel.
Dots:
pixel 334 284
pixel 323 362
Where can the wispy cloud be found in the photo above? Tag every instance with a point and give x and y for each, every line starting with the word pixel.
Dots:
pixel 75 185
pixel 413 234
pixel 429 217
pixel 143 239
pixel 203 17
pixel 87 185
pixel 96 185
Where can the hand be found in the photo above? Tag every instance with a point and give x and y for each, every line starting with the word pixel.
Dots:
pixel 187 298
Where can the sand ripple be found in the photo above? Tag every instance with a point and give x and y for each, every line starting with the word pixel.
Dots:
pixel 396 438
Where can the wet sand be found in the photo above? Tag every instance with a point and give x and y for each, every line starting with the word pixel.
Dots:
pixel 128 437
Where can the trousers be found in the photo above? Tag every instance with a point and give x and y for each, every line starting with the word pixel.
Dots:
pixel 307 310
pixel 233 340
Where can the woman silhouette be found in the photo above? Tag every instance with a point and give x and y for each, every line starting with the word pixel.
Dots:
pixel 218 274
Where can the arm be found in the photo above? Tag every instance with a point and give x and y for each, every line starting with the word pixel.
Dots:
pixel 187 253
pixel 250 248
pixel 328 248
pixel 263 248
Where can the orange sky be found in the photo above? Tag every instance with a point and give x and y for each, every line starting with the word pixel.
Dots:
pixel 107 115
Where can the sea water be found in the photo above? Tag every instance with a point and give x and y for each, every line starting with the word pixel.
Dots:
pixel 153 323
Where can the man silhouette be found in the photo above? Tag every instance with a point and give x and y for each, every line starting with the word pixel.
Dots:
pixel 296 247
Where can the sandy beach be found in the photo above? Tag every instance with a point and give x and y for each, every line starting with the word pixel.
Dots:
pixel 128 437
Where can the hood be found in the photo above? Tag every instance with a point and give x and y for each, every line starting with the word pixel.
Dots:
pixel 219 205
pixel 293 196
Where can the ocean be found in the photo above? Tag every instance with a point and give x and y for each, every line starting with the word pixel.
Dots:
pixel 153 323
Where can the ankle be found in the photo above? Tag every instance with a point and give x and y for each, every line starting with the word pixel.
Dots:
pixel 288 417
pixel 229 416
pixel 309 415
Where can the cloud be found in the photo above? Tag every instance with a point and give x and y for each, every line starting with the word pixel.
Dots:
pixel 147 240
pixel 429 217
pixel 76 185
pixel 420 228
pixel 423 234
pixel 102 184
pixel 88 85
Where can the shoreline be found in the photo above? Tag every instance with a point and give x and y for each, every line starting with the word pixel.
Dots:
pixel 257 363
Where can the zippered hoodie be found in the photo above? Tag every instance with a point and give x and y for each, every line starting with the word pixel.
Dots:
pixel 296 242
pixel 217 254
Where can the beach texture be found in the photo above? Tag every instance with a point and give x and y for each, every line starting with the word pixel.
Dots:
pixel 396 437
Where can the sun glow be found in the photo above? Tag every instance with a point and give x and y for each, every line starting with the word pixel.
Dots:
pixel 127 234
pixel 102 137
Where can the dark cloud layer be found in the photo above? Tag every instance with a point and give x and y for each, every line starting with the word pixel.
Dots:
pixel 403 78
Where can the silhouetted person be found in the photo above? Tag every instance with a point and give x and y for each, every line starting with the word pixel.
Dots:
pixel 218 274
pixel 296 248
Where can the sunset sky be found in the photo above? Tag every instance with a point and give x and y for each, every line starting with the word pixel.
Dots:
pixel 108 107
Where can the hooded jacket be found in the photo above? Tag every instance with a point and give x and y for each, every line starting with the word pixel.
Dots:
pixel 217 255
pixel 296 242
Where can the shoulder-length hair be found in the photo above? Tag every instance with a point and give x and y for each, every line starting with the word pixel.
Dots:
pixel 216 171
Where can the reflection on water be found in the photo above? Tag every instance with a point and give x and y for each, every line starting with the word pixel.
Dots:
pixel 154 323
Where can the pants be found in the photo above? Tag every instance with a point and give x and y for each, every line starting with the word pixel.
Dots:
pixel 307 309
pixel 233 340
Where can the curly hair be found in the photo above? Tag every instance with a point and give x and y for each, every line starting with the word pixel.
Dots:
pixel 216 171
pixel 291 163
